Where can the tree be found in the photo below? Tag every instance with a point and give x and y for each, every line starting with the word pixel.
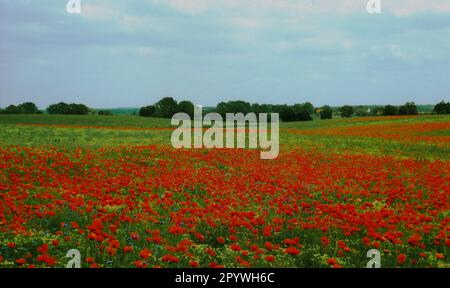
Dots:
pixel 105 113
pixel 326 112
pixel 234 107
pixel 442 108
pixel 68 109
pixel 287 114
pixel 301 112
pixel 13 109
pixel 147 111
pixel 78 109
pixel 409 108
pixel 186 107
pixel 60 108
pixel 166 107
pixel 376 111
pixel 28 108
pixel 390 110
pixel 362 111
pixel 346 111
pixel 309 108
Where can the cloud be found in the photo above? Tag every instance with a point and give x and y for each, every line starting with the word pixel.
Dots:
pixel 396 7
pixel 324 51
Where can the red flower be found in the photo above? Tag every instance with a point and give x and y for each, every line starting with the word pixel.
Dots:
pixel 401 259
pixel 127 249
pixel 115 244
pixel 140 264
pixel 145 253
pixel 292 251
pixel 270 258
pixel 90 260
pixel 21 261
pixel 331 261
pixel 235 247
pixel 268 246
pixel 220 240
pixel 194 264
pixel 170 258
pixel 325 241
pixel 42 249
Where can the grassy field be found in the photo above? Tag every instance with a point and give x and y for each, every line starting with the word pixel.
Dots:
pixel 329 135
pixel 114 188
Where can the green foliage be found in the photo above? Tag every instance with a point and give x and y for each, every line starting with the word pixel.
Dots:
pixel 24 108
pixel 409 108
pixel 442 108
pixel 68 109
pixel 105 113
pixel 347 111
pixel 186 107
pixel 166 107
pixel 326 112
pixel 147 111
pixel 390 110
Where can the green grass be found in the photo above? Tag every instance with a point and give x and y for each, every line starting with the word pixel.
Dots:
pixel 13 134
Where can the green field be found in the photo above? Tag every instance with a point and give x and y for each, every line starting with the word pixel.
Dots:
pixel 100 131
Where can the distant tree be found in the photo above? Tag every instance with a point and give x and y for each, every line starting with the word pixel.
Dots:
pixel 442 108
pixel 28 108
pixel 78 109
pixel 186 107
pixel 309 108
pixel 166 107
pixel 375 111
pixel 390 110
pixel 362 111
pixel 346 111
pixel 409 108
pixel 13 109
pixel 233 107
pixel 147 111
pixel 326 112
pixel 301 112
pixel 287 113
pixel 60 108
pixel 257 109
pixel 105 113
pixel 68 109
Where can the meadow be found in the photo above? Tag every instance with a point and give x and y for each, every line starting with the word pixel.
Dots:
pixel 114 188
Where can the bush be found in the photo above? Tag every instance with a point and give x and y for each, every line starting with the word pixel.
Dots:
pixel 24 108
pixel 166 108
pixel 186 107
pixel 409 108
pixel 390 110
pixel 105 113
pixel 326 112
pixel 147 111
pixel 68 109
pixel 442 108
pixel 346 111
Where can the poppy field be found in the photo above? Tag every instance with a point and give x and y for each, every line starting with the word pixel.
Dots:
pixel 122 196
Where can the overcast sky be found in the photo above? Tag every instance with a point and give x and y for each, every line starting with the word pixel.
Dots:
pixel 130 53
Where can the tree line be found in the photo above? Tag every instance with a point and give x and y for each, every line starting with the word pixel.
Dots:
pixel 167 107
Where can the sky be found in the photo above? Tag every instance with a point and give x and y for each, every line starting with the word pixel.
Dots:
pixel 132 53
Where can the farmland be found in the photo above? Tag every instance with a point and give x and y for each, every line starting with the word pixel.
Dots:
pixel 114 188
